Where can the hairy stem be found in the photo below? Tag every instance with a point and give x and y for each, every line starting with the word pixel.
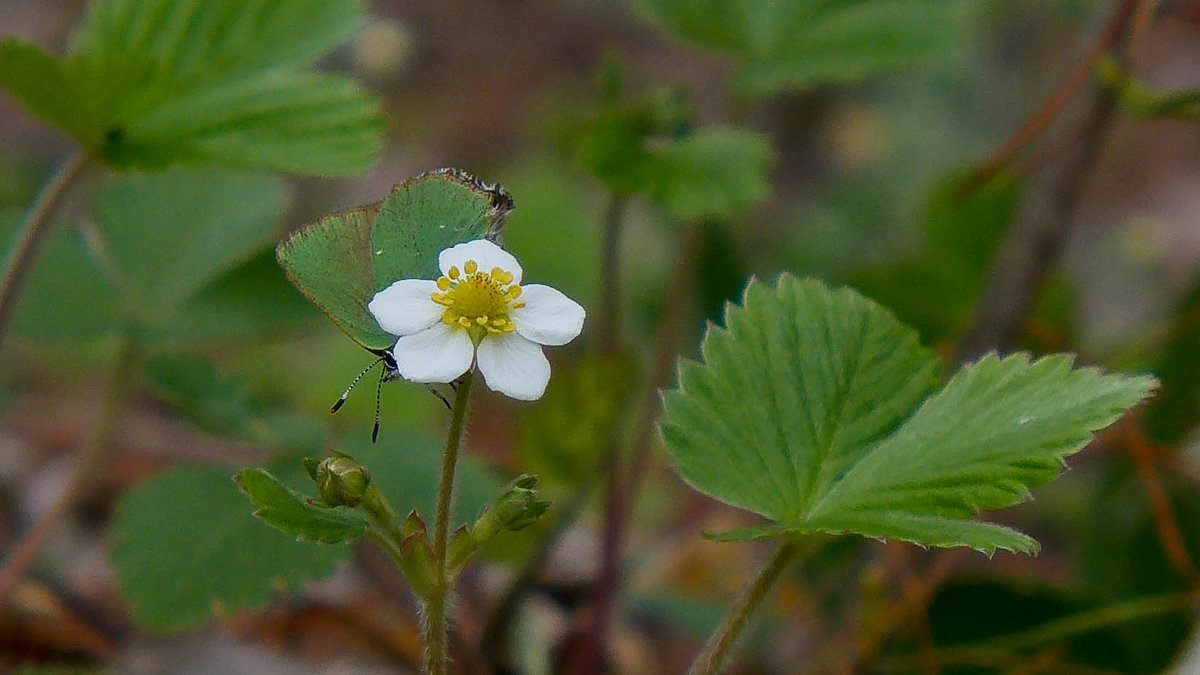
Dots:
pixel 436 624
pixel 31 236
pixel 89 461
pixel 719 644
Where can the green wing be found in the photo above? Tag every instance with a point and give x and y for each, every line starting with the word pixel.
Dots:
pixel 430 213
pixel 341 261
pixel 330 262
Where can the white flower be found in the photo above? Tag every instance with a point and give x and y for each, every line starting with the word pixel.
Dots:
pixel 477 313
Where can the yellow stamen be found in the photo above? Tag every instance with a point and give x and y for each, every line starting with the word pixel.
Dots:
pixel 478 301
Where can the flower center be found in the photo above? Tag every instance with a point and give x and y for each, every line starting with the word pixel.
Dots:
pixel 478 301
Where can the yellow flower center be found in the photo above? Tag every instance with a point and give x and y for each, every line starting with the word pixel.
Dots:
pixel 478 301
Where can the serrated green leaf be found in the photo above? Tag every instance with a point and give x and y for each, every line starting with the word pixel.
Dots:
pixel 715 171
pixel 288 511
pixel 186 546
pixel 169 233
pixel 199 40
pixel 800 44
pixel 806 411
pixel 792 392
pixel 154 82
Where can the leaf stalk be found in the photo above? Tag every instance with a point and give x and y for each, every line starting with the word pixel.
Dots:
pixel 721 642
pixel 33 234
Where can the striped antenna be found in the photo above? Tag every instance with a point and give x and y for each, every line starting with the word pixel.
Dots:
pixel 342 400
pixel 378 399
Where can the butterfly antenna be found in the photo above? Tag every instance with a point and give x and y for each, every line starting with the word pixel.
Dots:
pixel 378 400
pixel 441 398
pixel 342 400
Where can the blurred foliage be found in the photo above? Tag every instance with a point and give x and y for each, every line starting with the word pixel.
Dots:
pixel 185 546
pixel 148 83
pixel 799 45
pixel 824 137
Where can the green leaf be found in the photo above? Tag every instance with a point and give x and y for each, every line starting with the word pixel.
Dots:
pixel 68 296
pixel 247 301
pixel 195 388
pixel 206 39
pixel 857 40
pixel 154 82
pixel 805 410
pixel 800 44
pixel 715 171
pixel 288 511
pixel 186 547
pixel 341 261
pixel 170 233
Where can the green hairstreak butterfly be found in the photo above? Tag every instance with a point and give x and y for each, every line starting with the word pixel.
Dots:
pixel 341 261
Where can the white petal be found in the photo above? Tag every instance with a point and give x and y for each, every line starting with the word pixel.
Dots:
pixel 548 317
pixel 437 354
pixel 406 306
pixel 482 251
pixel 513 366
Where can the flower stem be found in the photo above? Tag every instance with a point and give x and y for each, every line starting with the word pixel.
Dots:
pixel 709 661
pixel 32 234
pixel 436 626
pixel 91 455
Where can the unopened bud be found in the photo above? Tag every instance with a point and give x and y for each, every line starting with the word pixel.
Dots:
pixel 341 481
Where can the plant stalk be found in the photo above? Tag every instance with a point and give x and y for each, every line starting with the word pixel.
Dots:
pixel 720 643
pixel 89 461
pixel 608 323
pixel 33 234
pixel 436 625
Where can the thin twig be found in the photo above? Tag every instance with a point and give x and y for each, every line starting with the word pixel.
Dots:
pixel 1057 101
pixel 32 235
pixel 1031 253
pixel 1160 507
pixel 89 461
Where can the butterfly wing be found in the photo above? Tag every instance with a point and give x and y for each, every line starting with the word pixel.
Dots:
pixel 341 261
pixel 330 262
pixel 430 213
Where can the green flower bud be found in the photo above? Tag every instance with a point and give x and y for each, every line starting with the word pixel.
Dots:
pixel 341 481
pixel 516 509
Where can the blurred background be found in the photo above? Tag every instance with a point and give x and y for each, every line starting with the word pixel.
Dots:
pixel 895 179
